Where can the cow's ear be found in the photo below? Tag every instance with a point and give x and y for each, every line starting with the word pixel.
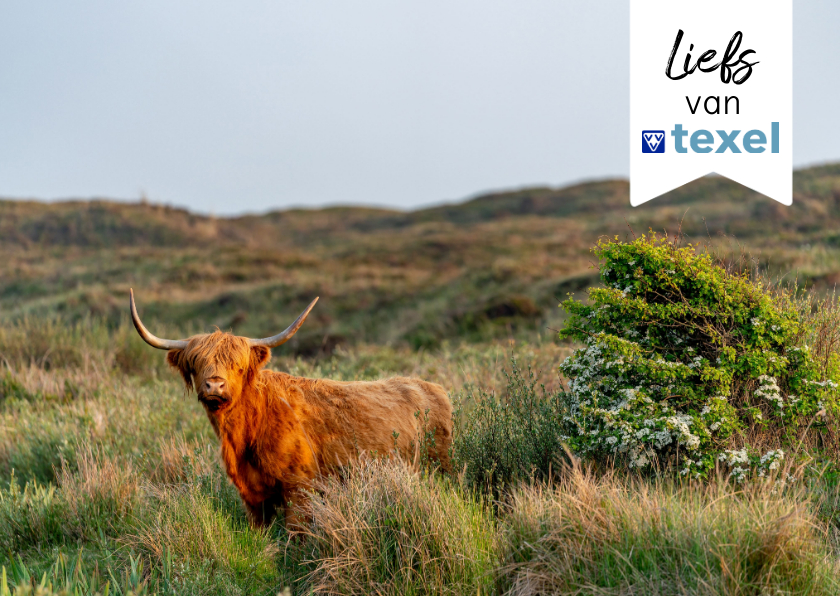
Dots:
pixel 175 358
pixel 259 356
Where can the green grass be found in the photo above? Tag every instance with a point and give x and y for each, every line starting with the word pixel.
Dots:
pixel 389 529
pixel 110 475
pixel 136 498
pixel 604 535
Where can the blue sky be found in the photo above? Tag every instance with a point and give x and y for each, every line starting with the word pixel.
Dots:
pixel 230 107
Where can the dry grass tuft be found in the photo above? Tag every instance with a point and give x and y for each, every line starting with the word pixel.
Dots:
pixel 385 529
pixel 62 384
pixel 101 489
pixel 604 535
pixel 180 460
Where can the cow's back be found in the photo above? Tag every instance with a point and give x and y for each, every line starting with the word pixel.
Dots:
pixel 346 419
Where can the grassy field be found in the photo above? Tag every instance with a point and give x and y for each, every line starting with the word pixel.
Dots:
pixel 109 472
pixel 114 477
pixel 493 267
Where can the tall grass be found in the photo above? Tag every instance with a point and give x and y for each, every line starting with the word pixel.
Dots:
pixel 64 577
pixel 88 346
pixel 100 490
pixel 458 366
pixel 607 535
pixel 190 533
pixel 386 529
pixel 112 476
pixel 208 543
pixel 94 500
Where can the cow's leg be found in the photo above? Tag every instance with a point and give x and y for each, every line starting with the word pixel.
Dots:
pixel 261 514
pixel 294 500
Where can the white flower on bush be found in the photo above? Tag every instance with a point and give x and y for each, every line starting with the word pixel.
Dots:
pixel 739 473
pixel 762 466
pixel 771 459
pixel 769 390
pixel 680 424
pixel 662 438
pixel 629 394
pixel 696 362
pixel 635 420
pixel 692 442
pixel 734 457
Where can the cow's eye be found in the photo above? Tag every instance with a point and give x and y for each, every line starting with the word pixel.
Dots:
pixel 241 370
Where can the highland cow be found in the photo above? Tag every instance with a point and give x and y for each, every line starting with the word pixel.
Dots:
pixel 280 432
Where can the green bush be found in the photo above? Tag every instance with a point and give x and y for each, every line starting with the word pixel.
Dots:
pixel 685 362
pixel 517 436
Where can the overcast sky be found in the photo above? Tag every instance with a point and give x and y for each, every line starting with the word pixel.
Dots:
pixel 229 107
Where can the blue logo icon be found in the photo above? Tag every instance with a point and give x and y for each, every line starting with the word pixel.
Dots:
pixel 653 141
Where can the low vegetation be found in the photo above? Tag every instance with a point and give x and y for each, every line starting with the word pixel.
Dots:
pixel 688 363
pixel 110 480
pixel 504 438
pixel 119 484
pixel 491 268
pixel 606 535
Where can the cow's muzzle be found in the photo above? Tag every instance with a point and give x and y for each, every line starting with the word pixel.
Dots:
pixel 213 393
pixel 213 402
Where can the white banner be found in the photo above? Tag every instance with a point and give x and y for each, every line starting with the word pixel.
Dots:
pixel 711 91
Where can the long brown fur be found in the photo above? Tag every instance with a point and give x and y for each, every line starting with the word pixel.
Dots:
pixel 279 432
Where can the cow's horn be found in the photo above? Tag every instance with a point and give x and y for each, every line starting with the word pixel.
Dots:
pixel 155 342
pixel 281 338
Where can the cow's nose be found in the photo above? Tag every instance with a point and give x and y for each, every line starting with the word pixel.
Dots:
pixel 214 386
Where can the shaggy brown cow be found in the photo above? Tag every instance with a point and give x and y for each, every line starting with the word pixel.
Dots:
pixel 279 432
